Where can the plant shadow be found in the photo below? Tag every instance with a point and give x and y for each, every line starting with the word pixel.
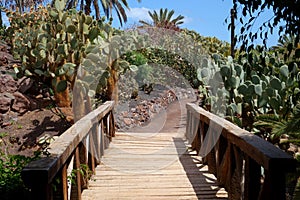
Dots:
pixel 47 126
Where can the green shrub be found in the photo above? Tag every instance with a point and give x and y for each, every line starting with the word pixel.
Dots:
pixel 11 184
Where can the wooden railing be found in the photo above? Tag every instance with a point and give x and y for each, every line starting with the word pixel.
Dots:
pixel 247 166
pixel 72 157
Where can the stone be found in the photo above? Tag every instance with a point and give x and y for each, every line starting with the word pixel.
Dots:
pixel 1 119
pixel 39 96
pixel 127 121
pixel 125 114
pixel 7 84
pixel 292 148
pixel 25 84
pixel 21 104
pixel 5 102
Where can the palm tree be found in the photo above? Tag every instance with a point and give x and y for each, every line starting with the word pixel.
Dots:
pixel 287 45
pixel 164 19
pixel 107 5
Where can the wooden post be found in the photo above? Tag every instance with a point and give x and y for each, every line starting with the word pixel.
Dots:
pixel 91 153
pixel 112 125
pixel 76 193
pixel 102 143
pixel 252 179
pixel 37 176
pixel 64 181
pixel 274 185
pixel 83 157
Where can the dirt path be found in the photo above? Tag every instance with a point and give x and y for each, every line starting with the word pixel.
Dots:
pixel 173 119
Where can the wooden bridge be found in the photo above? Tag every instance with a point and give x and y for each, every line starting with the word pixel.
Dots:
pixel 92 161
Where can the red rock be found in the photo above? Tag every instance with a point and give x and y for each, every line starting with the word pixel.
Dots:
pixel 125 114
pixel 25 84
pixel 7 84
pixel 5 102
pixel 21 103
pixel 127 121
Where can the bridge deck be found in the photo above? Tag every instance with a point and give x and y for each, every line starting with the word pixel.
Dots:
pixel 145 165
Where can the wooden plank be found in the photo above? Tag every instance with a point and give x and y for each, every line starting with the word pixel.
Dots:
pixel 158 166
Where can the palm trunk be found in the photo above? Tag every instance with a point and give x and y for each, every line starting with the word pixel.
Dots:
pixel 97 9
pixel 87 8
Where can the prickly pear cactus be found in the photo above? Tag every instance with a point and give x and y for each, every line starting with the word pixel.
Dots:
pixel 51 43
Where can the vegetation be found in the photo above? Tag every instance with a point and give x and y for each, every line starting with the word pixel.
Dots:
pixel 11 184
pixel 286 17
pixel 258 89
pixel 21 6
pixel 51 43
pixel 107 5
pixel 259 82
pixel 164 19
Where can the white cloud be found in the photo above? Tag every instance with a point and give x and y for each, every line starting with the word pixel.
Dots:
pixel 187 20
pixel 139 14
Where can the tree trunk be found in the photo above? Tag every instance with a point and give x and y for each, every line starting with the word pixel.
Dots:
pixel 112 89
pixel 62 99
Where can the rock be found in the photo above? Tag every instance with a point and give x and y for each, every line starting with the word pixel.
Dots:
pixel 25 84
pixel 1 119
pixel 5 102
pixel 68 113
pixel 7 84
pixel 5 56
pixel 21 103
pixel 293 148
pixel 39 96
pixel 46 94
pixel 127 121
pixel 125 114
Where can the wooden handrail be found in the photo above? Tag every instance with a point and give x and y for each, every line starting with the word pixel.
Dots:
pixel 81 145
pixel 247 166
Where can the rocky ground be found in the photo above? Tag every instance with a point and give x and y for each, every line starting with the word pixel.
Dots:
pixel 139 111
pixel 27 113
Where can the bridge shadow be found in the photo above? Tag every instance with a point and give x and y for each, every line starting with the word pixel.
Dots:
pixel 204 185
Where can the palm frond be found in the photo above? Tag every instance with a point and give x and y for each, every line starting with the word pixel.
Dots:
pixel 170 15
pixel 145 23
pixel 178 19
pixel 163 19
pixel 120 12
pixel 293 124
pixel 125 3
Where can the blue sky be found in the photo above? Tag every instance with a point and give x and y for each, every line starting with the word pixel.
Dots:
pixel 207 17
